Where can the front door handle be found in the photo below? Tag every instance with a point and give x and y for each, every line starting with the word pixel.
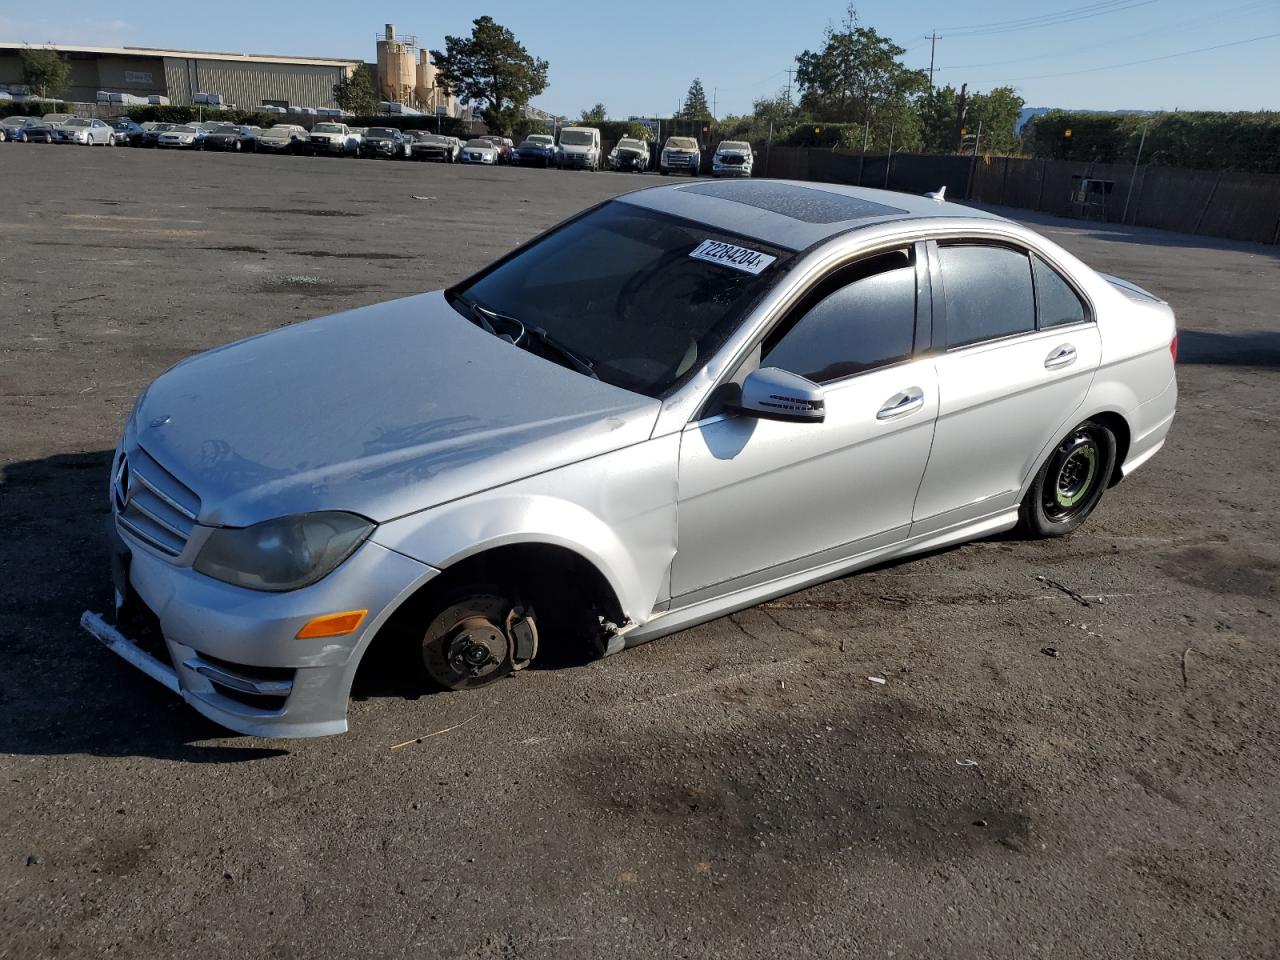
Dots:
pixel 1060 356
pixel 900 404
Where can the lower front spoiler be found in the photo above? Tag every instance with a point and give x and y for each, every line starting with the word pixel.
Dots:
pixel 167 677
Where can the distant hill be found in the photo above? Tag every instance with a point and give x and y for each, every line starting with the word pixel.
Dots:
pixel 1028 112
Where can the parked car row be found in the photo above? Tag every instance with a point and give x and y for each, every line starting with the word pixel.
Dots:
pixel 578 148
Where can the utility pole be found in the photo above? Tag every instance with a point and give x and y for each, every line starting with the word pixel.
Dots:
pixel 790 71
pixel 933 39
pixel 1134 176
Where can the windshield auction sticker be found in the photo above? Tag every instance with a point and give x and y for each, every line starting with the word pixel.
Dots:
pixel 726 254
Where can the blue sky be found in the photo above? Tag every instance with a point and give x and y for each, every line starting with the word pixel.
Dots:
pixel 639 58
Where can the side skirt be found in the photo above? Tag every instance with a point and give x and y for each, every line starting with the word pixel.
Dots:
pixel 691 614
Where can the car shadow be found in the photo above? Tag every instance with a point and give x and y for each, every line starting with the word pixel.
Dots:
pixel 1229 349
pixel 61 692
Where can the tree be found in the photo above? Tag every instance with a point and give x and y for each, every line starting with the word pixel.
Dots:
pixel 998 112
pixel 46 73
pixel 355 94
pixel 492 67
pixel 695 102
pixel 595 116
pixel 855 75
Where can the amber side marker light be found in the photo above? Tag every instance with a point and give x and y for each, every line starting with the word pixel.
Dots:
pixel 333 625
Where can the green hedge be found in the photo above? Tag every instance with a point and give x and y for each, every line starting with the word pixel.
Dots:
pixel 1243 142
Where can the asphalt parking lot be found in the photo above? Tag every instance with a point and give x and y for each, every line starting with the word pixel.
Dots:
pixel 738 790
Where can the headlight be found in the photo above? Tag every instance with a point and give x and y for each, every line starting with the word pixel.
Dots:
pixel 282 554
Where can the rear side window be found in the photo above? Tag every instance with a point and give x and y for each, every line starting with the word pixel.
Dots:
pixel 988 293
pixel 1056 303
pixel 861 318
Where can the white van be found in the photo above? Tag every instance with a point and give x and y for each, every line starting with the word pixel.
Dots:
pixel 579 148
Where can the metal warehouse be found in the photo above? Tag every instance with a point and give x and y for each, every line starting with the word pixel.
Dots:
pixel 242 79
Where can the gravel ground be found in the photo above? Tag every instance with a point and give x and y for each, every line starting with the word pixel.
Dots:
pixel 737 790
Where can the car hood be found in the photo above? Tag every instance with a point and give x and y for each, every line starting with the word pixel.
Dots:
pixel 382 411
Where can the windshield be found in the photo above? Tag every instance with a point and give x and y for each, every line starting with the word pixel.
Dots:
pixel 620 288
pixel 544 139
pixel 76 123
pixel 632 145
pixel 182 129
pixel 278 131
pixel 682 143
pixel 327 128
pixel 225 129
pixel 575 138
pixel 382 132
pixel 479 145
pixel 432 138
pixel 734 145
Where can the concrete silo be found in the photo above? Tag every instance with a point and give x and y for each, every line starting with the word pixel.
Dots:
pixel 396 70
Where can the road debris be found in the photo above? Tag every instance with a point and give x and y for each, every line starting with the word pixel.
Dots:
pixel 1050 651
pixel 414 196
pixel 434 733
pixel 1077 597
pixel 880 680
pixel 1184 667
pixel 966 763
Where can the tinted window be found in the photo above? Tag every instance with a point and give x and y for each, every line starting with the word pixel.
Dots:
pixel 620 287
pixel 862 318
pixel 988 293
pixel 1056 302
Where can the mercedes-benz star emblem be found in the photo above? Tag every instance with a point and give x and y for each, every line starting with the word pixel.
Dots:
pixel 120 485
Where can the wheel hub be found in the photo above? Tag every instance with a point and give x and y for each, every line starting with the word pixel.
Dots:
pixel 1075 474
pixel 477 647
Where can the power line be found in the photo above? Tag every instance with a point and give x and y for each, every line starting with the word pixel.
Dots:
pixel 1231 13
pixel 1168 56
pixel 1049 20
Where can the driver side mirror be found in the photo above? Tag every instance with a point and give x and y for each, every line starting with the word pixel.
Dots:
pixel 774 394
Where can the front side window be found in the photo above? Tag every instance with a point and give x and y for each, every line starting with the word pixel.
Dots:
pixel 1057 305
pixel 644 298
pixel 987 291
pixel 860 318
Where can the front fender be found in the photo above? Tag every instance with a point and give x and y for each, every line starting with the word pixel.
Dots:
pixel 616 511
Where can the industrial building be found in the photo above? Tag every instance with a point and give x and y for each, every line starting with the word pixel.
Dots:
pixel 242 79
pixel 408 81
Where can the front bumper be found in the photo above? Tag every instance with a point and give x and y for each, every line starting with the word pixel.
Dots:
pixel 232 653
pixel 730 169
pixel 571 161
pixel 479 158
pixel 327 146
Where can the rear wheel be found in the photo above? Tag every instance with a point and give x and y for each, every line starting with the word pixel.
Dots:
pixel 1071 482
pixel 478 634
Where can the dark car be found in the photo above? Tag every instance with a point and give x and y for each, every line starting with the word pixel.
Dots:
pixel 41 131
pixel 432 146
pixel 231 136
pixel 386 142
pixel 127 131
pixel 151 133
pixel 537 150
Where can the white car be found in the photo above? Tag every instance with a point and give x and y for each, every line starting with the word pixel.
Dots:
pixel 733 158
pixel 336 139
pixel 84 131
pixel 479 151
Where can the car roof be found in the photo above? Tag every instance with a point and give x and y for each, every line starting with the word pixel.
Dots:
pixel 791 214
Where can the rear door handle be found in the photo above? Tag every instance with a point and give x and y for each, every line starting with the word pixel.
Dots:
pixel 1060 356
pixel 901 404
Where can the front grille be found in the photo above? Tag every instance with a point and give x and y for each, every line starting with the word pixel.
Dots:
pixel 680 160
pixel 733 160
pixel 151 504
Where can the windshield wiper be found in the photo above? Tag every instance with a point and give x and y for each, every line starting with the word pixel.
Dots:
pixel 571 359
pixel 485 317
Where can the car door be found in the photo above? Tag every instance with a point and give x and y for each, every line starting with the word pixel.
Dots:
pixel 1021 352
pixel 760 498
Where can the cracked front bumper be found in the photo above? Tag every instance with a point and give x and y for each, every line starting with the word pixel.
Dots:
pixel 232 653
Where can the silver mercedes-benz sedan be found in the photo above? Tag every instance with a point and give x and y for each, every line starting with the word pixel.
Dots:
pixel 677 404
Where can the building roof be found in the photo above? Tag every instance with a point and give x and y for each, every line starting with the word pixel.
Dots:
pixel 184 54
pixel 793 214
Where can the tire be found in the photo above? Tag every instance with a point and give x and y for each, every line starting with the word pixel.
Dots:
pixel 1070 483
pixel 470 638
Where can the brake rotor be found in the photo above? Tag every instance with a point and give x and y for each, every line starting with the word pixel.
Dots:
pixel 477 640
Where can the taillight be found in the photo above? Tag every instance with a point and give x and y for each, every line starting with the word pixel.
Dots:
pixel 1173 347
